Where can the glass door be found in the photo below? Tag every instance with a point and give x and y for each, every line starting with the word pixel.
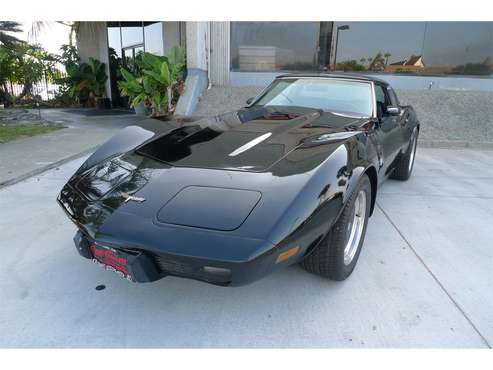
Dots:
pixel 130 54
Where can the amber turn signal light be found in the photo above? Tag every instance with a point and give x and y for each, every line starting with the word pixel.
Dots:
pixel 289 253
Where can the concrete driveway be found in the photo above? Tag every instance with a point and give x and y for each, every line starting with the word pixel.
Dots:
pixel 424 278
pixel 25 157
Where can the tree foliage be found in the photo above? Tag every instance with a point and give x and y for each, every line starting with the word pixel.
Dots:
pixel 6 28
pixel 350 65
pixel 83 82
pixel 24 64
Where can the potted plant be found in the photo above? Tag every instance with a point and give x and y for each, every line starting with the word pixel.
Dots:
pixel 155 82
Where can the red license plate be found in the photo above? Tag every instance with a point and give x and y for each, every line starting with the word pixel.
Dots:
pixel 112 260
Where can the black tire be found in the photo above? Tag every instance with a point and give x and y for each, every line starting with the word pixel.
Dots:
pixel 405 166
pixel 327 259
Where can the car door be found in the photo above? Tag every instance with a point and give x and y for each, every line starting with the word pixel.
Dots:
pixel 404 120
pixel 388 132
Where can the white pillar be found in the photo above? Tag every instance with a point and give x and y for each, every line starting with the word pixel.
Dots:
pixel 220 53
pixel 92 42
pixel 197 34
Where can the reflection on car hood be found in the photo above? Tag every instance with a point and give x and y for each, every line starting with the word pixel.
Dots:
pixel 247 140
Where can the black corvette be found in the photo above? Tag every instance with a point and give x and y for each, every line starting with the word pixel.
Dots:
pixel 290 178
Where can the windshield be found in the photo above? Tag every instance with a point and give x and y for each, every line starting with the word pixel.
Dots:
pixel 329 95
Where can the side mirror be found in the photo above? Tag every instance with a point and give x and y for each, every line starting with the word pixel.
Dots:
pixel 393 111
pixel 249 101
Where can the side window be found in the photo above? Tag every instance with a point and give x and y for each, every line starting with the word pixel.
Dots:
pixel 380 94
pixel 383 100
pixel 393 97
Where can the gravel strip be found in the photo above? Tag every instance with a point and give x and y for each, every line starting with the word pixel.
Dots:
pixel 445 115
pixel 452 115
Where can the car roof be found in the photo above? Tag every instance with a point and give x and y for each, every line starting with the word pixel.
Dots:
pixel 344 76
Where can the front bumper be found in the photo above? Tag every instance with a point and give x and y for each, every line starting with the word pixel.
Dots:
pixel 141 268
pixel 148 266
pixel 154 251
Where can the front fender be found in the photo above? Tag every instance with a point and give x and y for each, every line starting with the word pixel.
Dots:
pixel 319 204
pixel 127 139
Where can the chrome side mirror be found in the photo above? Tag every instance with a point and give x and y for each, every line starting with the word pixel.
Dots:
pixel 393 111
pixel 249 101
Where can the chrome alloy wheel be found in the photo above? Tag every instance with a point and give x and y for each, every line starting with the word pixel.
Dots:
pixel 355 228
pixel 413 150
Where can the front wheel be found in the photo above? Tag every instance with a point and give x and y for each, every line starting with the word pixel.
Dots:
pixel 405 165
pixel 336 255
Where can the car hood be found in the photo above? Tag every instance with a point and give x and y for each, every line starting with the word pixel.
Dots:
pixel 247 140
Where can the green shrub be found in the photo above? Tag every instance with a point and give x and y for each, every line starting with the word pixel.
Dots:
pixel 154 81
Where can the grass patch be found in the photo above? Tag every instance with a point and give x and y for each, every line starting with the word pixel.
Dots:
pixel 14 132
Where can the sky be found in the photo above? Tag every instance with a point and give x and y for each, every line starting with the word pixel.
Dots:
pixel 51 37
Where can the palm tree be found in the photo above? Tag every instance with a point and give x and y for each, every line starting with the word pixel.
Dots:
pixel 387 55
pixel 7 27
pixel 363 62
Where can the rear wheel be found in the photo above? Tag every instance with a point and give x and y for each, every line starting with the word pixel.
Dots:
pixel 405 165
pixel 336 255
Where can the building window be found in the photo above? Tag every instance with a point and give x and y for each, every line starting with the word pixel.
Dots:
pixel 278 46
pixel 463 48
pixel 415 48
pixel 129 39
pixel 126 41
pixel 132 34
pixel 153 37
pixel 379 46
pixel 115 40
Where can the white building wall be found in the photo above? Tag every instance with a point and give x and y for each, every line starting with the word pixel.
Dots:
pixel 220 53
pixel 198 41
pixel 197 45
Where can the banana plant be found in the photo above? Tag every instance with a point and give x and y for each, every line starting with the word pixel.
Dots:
pixel 132 87
pixel 150 87
pixel 159 77
pixel 176 67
